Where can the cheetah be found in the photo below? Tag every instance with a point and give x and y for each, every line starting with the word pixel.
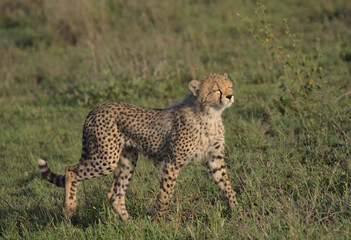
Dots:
pixel 114 133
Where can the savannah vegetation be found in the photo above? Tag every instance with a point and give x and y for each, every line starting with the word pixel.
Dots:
pixel 287 134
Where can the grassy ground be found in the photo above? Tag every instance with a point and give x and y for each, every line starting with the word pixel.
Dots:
pixel 287 135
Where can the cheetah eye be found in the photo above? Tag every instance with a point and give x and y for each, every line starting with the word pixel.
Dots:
pixel 230 87
pixel 216 90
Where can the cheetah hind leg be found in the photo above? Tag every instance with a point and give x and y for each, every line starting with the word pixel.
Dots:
pixel 75 174
pixel 122 177
pixel 71 183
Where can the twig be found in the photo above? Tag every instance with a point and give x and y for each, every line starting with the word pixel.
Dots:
pixel 178 217
pixel 331 178
pixel 344 95
pixel 344 135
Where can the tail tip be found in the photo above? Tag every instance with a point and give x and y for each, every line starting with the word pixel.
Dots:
pixel 41 163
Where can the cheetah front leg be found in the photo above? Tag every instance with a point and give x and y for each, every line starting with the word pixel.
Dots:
pixel 168 182
pixel 215 162
pixel 122 176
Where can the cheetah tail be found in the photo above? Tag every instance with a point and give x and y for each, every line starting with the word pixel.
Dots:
pixel 58 180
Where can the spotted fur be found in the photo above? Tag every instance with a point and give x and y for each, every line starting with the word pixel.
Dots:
pixel 114 133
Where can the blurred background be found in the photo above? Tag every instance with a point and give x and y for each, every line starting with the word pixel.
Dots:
pixel 73 49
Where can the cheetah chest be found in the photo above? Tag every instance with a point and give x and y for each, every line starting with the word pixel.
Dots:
pixel 211 133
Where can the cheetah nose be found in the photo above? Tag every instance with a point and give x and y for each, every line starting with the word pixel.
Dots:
pixel 229 96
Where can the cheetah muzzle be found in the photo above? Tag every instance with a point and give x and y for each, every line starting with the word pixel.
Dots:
pixel 114 133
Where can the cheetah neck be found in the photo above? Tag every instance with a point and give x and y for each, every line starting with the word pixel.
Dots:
pixel 212 113
pixel 204 112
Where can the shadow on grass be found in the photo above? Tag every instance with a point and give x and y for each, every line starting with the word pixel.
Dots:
pixel 17 222
pixel 24 220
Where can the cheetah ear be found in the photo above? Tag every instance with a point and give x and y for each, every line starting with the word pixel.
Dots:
pixel 225 75
pixel 194 86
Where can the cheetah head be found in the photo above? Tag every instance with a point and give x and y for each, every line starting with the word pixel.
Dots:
pixel 213 90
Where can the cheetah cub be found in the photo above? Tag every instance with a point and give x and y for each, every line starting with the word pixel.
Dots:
pixel 114 133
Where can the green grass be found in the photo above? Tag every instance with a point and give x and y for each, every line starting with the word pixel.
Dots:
pixel 287 135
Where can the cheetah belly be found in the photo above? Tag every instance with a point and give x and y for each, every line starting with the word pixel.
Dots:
pixel 151 141
pixel 154 149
